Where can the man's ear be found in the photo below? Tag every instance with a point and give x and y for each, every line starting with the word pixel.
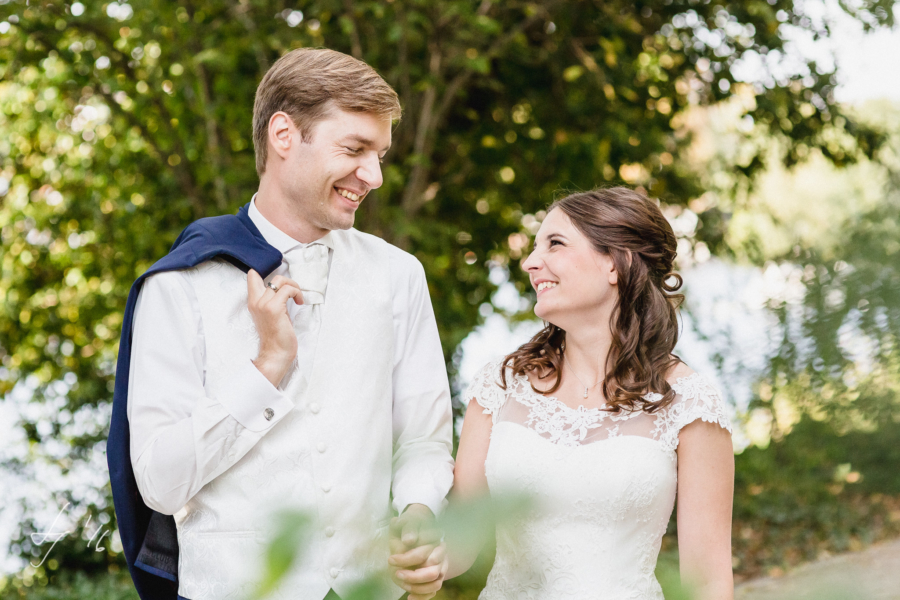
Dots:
pixel 282 133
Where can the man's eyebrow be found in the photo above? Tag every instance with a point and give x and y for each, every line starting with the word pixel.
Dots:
pixel 363 141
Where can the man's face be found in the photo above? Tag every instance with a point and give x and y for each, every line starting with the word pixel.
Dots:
pixel 326 178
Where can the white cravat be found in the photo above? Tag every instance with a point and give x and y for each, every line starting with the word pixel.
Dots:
pixel 308 266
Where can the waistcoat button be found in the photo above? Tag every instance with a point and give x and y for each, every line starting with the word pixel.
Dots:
pixel 329 531
pixel 314 408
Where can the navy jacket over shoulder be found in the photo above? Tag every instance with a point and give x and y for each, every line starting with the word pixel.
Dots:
pixel 149 538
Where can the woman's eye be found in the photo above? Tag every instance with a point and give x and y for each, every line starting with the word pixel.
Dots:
pixel 555 242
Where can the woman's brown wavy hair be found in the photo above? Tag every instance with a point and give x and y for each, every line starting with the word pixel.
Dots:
pixel 630 228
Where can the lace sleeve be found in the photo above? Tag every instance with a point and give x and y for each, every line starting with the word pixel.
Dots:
pixel 486 391
pixel 697 399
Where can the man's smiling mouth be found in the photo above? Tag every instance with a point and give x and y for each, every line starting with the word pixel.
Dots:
pixel 349 195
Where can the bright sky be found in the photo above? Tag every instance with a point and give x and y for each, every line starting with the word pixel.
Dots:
pixel 867 62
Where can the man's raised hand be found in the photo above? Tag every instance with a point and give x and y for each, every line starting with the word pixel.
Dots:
pixel 268 308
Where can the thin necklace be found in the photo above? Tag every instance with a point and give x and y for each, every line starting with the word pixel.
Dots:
pixel 586 388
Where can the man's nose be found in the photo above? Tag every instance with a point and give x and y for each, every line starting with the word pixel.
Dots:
pixel 370 172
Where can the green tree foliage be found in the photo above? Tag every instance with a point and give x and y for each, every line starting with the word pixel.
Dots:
pixel 836 355
pixel 821 477
pixel 828 479
pixel 122 122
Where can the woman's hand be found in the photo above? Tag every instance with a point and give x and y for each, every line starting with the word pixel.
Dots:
pixel 268 308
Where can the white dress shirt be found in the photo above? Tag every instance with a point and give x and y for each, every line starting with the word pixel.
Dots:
pixel 181 439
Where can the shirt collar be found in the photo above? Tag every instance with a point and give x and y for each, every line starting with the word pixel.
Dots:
pixel 276 237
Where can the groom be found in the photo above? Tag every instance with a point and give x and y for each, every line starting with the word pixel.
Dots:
pixel 278 359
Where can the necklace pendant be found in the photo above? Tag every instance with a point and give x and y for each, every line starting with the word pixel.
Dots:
pixel 585 392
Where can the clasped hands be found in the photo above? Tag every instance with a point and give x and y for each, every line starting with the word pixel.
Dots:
pixel 418 561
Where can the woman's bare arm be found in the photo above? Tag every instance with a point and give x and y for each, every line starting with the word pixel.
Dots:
pixel 469 482
pixel 705 498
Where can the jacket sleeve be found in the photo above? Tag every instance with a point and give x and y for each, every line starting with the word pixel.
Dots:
pixel 182 438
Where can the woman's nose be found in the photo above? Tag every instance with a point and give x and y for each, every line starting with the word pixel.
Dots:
pixel 531 262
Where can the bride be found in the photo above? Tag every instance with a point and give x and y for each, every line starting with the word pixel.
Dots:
pixel 598 422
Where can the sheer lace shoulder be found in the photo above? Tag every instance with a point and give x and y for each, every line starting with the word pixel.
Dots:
pixel 696 398
pixel 486 391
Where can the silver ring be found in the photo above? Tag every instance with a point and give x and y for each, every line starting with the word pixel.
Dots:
pixel 272 287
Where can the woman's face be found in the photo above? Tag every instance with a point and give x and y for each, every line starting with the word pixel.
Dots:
pixel 575 284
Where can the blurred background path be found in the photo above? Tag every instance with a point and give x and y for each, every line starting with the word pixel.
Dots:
pixel 871 574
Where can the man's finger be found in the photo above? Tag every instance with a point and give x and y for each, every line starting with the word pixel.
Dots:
pixel 413 558
pixel 421 588
pixel 429 535
pixel 280 281
pixel 436 557
pixel 423 575
pixel 396 546
pixel 288 291
pixel 396 526
pixel 255 286
pixel 410 533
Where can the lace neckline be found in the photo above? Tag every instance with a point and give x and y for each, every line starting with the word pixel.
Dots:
pixel 517 402
pixel 678 386
pixel 567 426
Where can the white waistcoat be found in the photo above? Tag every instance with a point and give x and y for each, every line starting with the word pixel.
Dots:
pixel 346 408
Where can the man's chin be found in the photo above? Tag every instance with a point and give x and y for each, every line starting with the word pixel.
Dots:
pixel 343 221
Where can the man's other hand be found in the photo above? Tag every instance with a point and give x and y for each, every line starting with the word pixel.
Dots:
pixel 418 559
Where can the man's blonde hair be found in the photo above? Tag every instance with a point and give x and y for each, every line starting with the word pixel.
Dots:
pixel 308 83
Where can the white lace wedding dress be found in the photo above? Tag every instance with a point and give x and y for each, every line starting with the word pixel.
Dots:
pixel 602 489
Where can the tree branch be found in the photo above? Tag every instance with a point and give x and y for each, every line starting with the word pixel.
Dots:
pixel 212 127
pixel 240 11
pixel 185 179
pixel 355 45
pixel 430 119
pixel 184 176
pixel 412 195
pixel 464 77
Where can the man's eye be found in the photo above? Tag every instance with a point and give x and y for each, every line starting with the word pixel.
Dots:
pixel 354 150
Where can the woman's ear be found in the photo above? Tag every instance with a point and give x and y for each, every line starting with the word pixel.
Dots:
pixel 609 267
